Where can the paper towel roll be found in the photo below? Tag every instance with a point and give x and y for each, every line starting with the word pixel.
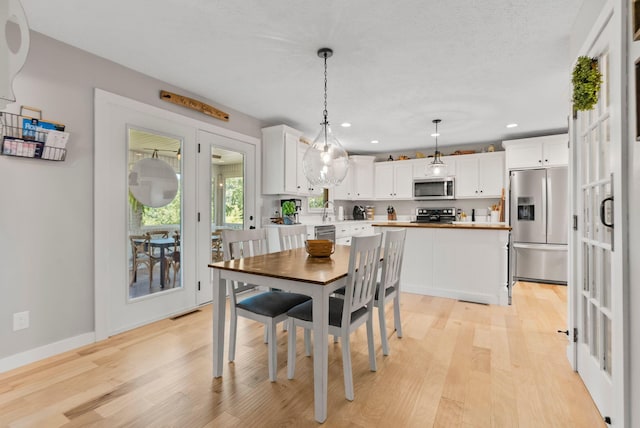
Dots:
pixel 340 213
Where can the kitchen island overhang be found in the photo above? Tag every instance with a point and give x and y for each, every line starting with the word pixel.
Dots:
pixel 458 261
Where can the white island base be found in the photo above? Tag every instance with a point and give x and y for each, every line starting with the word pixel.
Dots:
pixel 454 261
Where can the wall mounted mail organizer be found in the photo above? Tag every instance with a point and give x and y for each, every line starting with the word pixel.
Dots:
pixel 29 137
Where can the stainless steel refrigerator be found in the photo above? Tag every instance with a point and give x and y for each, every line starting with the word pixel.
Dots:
pixel 539 219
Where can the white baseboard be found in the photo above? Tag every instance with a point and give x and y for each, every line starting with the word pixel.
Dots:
pixel 27 357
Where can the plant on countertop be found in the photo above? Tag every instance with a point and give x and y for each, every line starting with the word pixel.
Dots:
pixel 586 83
pixel 288 208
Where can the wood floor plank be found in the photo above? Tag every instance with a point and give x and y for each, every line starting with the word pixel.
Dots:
pixel 458 365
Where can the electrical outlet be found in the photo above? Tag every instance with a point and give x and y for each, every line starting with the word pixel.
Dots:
pixel 20 320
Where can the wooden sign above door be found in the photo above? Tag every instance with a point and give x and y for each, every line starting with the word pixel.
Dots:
pixel 194 105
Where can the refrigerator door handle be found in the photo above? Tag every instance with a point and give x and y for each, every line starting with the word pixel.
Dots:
pixel 545 213
pixel 602 211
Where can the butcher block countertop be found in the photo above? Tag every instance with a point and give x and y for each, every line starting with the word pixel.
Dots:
pixel 457 225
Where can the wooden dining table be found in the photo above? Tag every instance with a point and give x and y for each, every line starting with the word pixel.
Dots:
pixel 291 270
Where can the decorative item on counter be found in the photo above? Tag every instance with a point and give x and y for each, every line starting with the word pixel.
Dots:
pixel 463 216
pixel 420 155
pixel 473 214
pixel 370 211
pixel 288 212
pixel 391 213
pixel 277 218
pixel 390 158
pixel 340 213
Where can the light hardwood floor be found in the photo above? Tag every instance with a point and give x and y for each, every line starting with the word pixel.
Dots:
pixel 458 365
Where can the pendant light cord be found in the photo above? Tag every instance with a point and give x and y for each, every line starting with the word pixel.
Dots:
pixel 325 112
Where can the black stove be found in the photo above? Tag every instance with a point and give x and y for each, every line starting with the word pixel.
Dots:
pixel 435 215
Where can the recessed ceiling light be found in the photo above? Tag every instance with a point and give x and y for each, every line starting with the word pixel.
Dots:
pixel 345 125
pixel 512 125
pixel 374 141
pixel 435 134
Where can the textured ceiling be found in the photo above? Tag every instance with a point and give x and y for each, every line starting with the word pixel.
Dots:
pixel 476 64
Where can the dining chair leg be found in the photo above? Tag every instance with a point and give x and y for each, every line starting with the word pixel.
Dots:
pixel 307 342
pixel 372 349
pixel 383 328
pixel 233 325
pixel 291 351
pixel 273 351
pixel 396 315
pixel 346 366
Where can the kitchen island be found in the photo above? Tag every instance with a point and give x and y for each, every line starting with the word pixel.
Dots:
pixel 467 261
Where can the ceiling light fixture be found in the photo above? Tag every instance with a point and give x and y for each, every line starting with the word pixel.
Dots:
pixel 325 163
pixel 437 168
pixel 346 125
pixel 512 125
pixel 374 141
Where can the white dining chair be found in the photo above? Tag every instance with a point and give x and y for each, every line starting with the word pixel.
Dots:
pixel 269 307
pixel 389 286
pixel 292 237
pixel 345 315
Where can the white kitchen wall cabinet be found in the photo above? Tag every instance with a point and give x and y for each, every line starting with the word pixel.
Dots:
pixel 393 180
pixel 547 151
pixel 480 175
pixel 358 184
pixel 282 153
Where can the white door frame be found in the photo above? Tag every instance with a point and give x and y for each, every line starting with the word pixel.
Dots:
pixel 110 218
pixel 614 13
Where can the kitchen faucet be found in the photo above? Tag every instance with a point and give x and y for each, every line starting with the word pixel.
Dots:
pixel 324 210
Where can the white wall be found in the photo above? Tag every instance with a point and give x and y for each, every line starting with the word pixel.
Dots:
pixel 46 214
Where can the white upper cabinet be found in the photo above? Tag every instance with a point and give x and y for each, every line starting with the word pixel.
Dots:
pixel 282 153
pixel 358 184
pixel 551 150
pixel 393 180
pixel 480 175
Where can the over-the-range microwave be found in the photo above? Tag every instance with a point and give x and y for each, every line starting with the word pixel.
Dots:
pixel 425 189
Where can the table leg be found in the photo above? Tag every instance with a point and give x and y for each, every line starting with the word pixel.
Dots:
pixel 163 263
pixel 320 352
pixel 218 308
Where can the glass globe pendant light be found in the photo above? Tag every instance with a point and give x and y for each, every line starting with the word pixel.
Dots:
pixel 437 168
pixel 326 162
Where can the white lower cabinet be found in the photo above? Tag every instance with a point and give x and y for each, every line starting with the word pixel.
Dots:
pixel 480 175
pixel 393 180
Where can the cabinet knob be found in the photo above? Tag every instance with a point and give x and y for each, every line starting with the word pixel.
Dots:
pixel 539 160
pixel 481 191
pixel 546 160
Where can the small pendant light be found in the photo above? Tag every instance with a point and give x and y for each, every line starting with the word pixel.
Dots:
pixel 437 168
pixel 326 162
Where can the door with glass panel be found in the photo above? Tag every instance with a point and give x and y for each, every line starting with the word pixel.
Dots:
pixel 226 198
pixel 598 248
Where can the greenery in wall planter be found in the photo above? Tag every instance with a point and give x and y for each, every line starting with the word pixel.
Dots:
pixel 586 83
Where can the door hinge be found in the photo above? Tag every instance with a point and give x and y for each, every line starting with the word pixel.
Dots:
pixel 575 335
pixel 198 285
pixel 198 147
pixel 198 217
pixel 575 222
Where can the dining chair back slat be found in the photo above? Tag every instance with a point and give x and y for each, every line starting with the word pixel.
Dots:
pixel 292 237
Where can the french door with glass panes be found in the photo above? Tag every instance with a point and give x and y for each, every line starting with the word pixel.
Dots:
pixel 597 301
pixel 226 198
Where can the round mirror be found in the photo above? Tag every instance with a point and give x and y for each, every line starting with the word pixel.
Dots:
pixel 153 182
